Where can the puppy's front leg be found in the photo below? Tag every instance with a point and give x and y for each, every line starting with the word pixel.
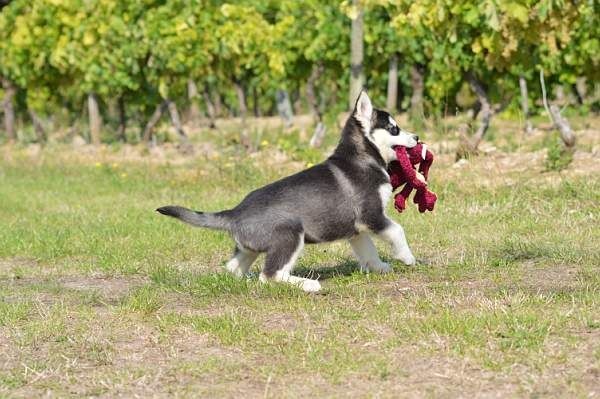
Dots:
pixel 394 234
pixel 367 255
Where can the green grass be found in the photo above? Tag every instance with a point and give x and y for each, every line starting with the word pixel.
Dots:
pixel 99 295
pixel 559 157
pixel 145 300
pixel 11 313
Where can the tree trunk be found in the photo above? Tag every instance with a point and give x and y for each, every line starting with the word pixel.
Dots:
pixel 210 108
pixel 357 77
pixel 243 110
pixel 319 133
pixel 311 95
pixel 284 107
pixel 256 103
pixel 580 89
pixel 486 109
pixel 297 106
pixel 525 104
pixel 560 95
pixel 563 126
pixel 149 128
pixel 94 118
pixel 185 147
pixel 9 110
pixel 317 138
pixel 560 123
pixel 122 119
pixel 392 87
pixel 40 132
pixel 416 99
pixel 217 102
pixel 333 92
pixel 474 111
pixel 176 120
pixel 469 145
pixel 241 97
pixel 194 111
pixel 171 107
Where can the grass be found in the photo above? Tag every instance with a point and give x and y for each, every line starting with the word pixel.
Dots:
pixel 559 157
pixel 99 295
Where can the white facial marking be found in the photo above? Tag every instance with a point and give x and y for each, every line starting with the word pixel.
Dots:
pixel 392 121
pixel 384 142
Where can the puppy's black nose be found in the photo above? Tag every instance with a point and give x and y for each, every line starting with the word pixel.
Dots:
pixel 416 138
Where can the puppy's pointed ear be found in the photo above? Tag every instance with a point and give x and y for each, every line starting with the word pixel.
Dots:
pixel 363 107
pixel 363 111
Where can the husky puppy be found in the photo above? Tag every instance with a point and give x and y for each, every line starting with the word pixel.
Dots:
pixel 342 198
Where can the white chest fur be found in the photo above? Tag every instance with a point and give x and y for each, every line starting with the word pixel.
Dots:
pixel 385 193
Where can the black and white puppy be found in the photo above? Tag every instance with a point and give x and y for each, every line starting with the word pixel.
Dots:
pixel 344 197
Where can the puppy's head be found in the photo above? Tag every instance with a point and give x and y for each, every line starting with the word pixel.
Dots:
pixel 380 128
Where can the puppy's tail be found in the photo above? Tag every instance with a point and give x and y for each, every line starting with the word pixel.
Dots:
pixel 217 221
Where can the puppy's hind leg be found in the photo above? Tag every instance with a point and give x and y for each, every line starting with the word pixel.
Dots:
pixel 367 255
pixel 280 261
pixel 241 261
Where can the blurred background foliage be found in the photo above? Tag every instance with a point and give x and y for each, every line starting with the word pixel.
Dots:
pixel 62 61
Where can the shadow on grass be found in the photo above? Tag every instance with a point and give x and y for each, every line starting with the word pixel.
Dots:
pixel 346 268
pixel 213 285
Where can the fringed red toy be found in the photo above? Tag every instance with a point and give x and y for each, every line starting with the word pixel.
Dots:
pixel 403 171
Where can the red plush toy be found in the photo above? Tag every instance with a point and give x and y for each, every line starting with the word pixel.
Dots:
pixel 403 171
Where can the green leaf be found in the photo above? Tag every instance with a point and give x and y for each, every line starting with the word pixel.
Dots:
pixel 518 12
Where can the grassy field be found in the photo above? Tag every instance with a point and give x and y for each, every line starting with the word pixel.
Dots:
pixel 101 296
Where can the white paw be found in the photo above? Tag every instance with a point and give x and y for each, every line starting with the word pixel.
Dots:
pixel 407 258
pixel 311 286
pixel 235 270
pixel 380 267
